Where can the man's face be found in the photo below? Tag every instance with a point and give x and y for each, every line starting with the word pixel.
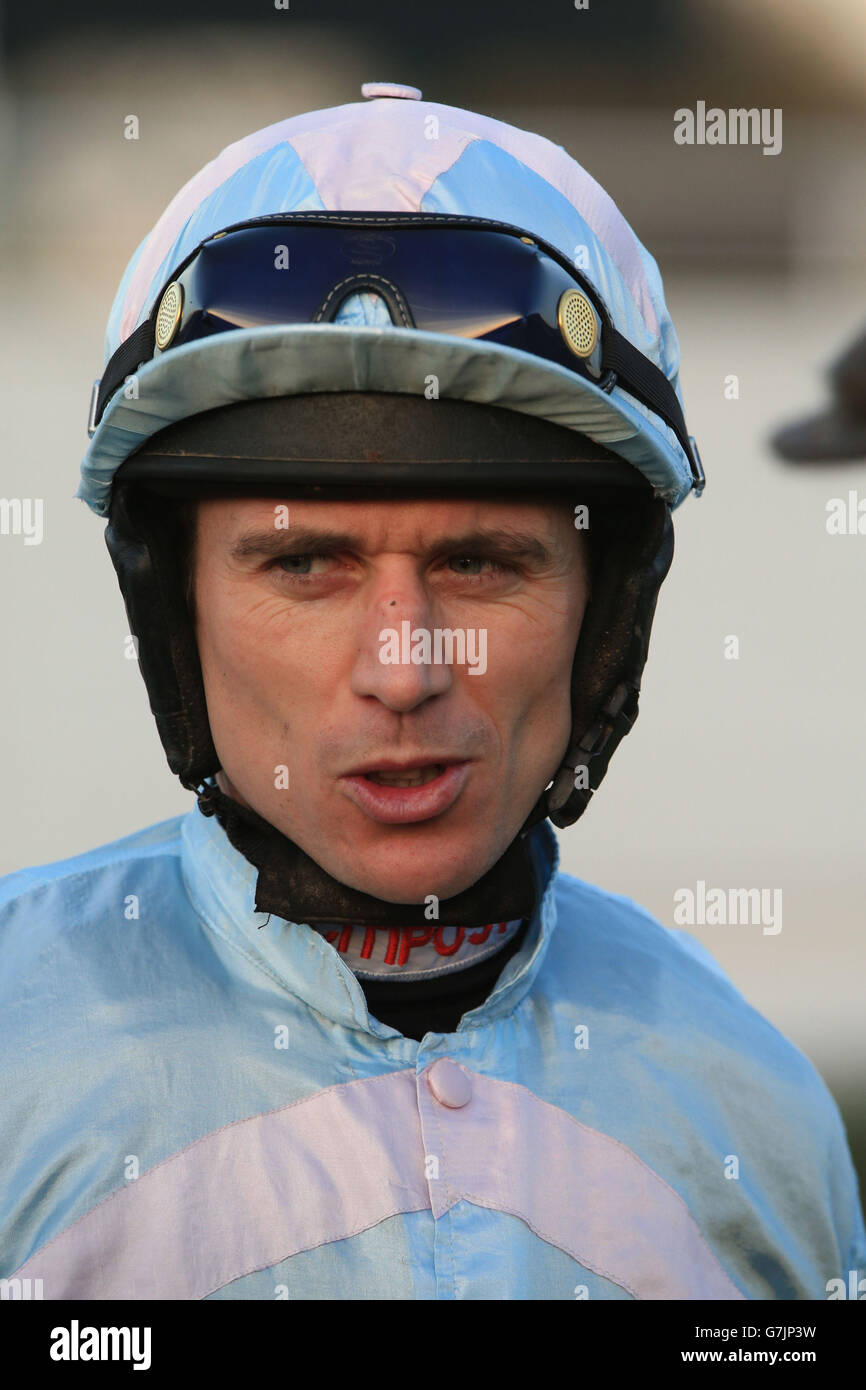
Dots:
pixel 306 633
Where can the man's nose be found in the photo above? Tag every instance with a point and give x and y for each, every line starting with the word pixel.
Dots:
pixel 395 643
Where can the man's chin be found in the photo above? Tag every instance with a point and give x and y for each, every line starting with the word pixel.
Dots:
pixel 442 856
pixel 412 888
pixel 399 869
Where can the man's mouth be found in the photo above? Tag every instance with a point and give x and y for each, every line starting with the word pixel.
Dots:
pixel 405 793
pixel 410 777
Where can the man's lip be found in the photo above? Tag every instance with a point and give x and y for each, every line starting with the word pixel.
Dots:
pixel 406 805
pixel 410 765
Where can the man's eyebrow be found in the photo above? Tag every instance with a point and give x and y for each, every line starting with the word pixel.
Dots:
pixel 507 543
pixel 299 539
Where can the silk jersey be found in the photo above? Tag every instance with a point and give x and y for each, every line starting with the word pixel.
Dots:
pixel 196 1102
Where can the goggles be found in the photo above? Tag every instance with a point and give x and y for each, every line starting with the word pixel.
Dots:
pixel 464 276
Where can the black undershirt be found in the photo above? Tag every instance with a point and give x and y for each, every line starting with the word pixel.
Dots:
pixel 416 1007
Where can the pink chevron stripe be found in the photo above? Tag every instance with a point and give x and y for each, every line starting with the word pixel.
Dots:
pixel 391 168
pixel 376 155
pixel 576 1188
pixel 249 1195
pixel 180 209
pixel 595 206
pixel 188 198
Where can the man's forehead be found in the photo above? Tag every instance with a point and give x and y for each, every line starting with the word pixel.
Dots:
pixel 372 519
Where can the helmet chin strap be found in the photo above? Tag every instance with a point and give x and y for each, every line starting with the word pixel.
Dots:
pixel 293 886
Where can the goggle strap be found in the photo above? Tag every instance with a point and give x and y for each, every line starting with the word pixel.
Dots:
pixel 643 379
pixel 133 351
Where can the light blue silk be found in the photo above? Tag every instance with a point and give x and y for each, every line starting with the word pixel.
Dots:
pixel 140 999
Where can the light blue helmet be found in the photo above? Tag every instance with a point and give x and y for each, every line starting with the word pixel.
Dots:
pixel 394 152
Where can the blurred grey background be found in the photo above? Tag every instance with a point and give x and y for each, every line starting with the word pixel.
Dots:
pixel 745 773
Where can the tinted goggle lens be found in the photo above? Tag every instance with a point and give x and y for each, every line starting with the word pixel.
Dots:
pixel 476 284
pixel 467 279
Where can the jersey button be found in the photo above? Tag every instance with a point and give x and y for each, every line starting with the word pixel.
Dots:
pixel 449 1083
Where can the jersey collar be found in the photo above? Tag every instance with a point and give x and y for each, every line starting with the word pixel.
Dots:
pixel 221 884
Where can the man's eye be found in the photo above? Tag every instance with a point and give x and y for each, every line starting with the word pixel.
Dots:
pixel 478 567
pixel 297 564
pixel 470 565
